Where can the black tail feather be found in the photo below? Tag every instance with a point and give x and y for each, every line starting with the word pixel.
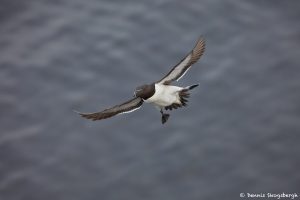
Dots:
pixel 192 86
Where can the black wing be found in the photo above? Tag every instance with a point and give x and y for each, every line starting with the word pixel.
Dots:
pixel 181 68
pixel 126 107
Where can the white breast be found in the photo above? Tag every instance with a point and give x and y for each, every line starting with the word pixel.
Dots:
pixel 165 95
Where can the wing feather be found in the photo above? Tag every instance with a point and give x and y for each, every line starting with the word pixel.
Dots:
pixel 181 68
pixel 126 107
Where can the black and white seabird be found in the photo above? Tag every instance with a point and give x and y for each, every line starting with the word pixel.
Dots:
pixel 161 94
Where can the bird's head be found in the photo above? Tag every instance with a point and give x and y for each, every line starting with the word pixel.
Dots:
pixel 144 91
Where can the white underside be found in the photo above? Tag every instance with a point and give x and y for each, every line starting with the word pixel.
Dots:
pixel 165 95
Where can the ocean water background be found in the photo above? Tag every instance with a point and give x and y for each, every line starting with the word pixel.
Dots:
pixel 240 132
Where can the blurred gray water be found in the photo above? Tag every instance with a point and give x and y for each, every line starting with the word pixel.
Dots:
pixel 240 132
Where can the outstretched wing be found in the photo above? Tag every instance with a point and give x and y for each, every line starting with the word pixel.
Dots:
pixel 181 68
pixel 126 107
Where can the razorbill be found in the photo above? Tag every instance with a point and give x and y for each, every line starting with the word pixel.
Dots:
pixel 161 94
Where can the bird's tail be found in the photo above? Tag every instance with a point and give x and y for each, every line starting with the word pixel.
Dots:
pixel 184 94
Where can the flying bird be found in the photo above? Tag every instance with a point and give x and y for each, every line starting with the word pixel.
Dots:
pixel 161 94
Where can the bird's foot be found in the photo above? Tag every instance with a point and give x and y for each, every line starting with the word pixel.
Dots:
pixel 164 118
